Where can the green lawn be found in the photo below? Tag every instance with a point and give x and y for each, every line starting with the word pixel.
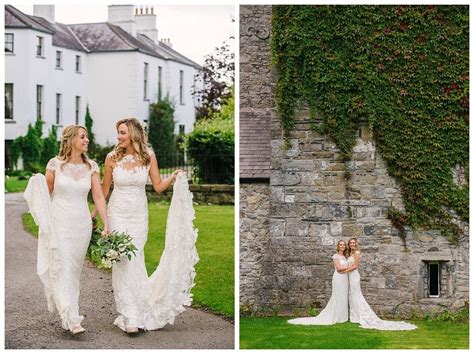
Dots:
pixel 215 270
pixel 13 184
pixel 275 332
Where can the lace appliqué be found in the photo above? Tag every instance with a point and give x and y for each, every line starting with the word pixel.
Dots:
pixel 72 170
pixel 130 163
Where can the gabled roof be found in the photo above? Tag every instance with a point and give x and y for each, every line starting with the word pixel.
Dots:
pixel 14 18
pixel 106 37
pixel 94 37
pixel 255 147
pixel 167 52
pixel 62 34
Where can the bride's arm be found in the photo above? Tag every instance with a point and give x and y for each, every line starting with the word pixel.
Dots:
pixel 355 265
pixel 159 185
pixel 337 265
pixel 106 182
pixel 49 180
pixel 99 200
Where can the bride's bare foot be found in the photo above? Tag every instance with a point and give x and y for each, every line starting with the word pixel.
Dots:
pixel 77 329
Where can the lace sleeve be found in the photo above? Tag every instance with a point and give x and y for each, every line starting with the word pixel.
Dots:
pixel 94 167
pixel 52 164
pixel 334 256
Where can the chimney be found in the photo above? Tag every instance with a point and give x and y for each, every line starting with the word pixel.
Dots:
pixel 44 11
pixel 146 24
pixel 122 16
pixel 167 41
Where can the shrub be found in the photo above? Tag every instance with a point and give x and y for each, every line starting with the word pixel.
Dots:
pixel 211 146
pixel 50 146
pixel 29 148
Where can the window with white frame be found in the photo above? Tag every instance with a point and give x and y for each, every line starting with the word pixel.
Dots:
pixel 9 47
pixel 181 129
pixel 39 46
pixel 39 101
pixel 159 82
pixel 78 108
pixel 181 87
pixel 78 63
pixel 8 101
pixel 145 81
pixel 58 108
pixel 59 59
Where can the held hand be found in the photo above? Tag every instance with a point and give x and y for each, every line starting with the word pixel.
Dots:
pixel 175 173
pixel 106 231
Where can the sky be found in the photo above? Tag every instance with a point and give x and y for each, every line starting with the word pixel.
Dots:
pixel 194 30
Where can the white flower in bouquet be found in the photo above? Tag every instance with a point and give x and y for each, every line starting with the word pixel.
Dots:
pixel 112 255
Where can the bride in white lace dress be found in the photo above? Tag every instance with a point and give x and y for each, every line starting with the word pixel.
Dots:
pixel 144 302
pixel 65 223
pixel 360 311
pixel 337 309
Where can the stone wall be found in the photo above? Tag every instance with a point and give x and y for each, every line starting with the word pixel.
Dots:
pixel 316 200
pixel 257 83
pixel 254 237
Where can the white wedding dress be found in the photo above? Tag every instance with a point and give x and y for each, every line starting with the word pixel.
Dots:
pixel 64 234
pixel 151 302
pixel 336 309
pixel 360 311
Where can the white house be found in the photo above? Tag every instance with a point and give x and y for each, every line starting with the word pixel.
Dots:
pixel 118 68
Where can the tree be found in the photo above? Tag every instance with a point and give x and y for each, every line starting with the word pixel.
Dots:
pixel 161 132
pixel 93 147
pixel 217 77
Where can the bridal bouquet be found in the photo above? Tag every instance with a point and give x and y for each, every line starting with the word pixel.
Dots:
pixel 106 251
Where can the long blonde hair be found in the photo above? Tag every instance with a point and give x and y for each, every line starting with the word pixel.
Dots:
pixel 349 247
pixel 138 138
pixel 69 133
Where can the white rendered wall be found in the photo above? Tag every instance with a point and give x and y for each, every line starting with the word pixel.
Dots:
pixel 184 113
pixel 25 70
pixel 111 83
pixel 113 87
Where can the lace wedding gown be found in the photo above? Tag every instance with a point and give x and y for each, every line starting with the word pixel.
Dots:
pixel 65 231
pixel 336 309
pixel 151 302
pixel 360 311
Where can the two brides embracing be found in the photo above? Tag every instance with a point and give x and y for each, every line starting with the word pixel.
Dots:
pixel 58 203
pixel 347 302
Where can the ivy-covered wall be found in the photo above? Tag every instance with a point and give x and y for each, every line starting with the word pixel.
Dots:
pixel 405 70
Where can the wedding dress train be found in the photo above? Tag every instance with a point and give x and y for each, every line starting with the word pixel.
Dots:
pixel 151 302
pixel 336 309
pixel 361 312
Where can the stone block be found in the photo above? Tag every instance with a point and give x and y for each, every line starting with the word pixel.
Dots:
pixel 352 230
pixel 297 165
pixel 277 227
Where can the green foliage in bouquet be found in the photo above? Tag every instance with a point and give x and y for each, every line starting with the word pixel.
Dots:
pixel 104 252
pixel 402 69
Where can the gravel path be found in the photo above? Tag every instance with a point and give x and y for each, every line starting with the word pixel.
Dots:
pixel 28 324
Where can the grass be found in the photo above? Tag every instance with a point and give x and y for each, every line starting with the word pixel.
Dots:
pixel 214 288
pixel 13 184
pixel 275 332
pixel 215 244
